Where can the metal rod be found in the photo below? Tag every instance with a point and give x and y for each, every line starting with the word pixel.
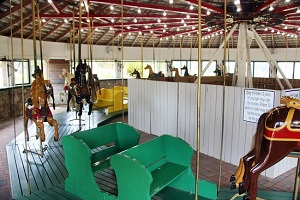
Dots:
pixel 223 109
pixel 33 31
pixel 296 185
pixel 122 56
pixel 198 99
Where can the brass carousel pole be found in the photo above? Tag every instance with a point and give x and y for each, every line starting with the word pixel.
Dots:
pixel 23 94
pixel 223 109
pixel 122 56
pixel 198 97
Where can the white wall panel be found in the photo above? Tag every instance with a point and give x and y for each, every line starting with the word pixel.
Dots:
pixel 171 108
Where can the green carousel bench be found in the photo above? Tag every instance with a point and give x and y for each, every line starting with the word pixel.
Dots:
pixel 89 151
pixel 144 170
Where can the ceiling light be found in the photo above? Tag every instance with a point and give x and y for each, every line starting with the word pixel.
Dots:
pixel 184 24
pixel 146 26
pixel 236 2
pixel 266 29
pixel 135 20
pixel 171 1
pixel 164 13
pixel 120 34
pixel 207 12
pixel 188 16
pixel 173 37
pixel 271 8
pixel 278 32
pixel 213 35
pixel 288 34
pixel 299 29
pixel 208 29
pixel 272 30
pixel 65 20
pixel 167 38
pixel 180 35
pixel 87 20
pixel 139 10
pixel 112 20
pixel 193 27
pixel 82 30
pixel 238 9
pixel 140 33
pixel 96 29
pixel 189 34
pixel 164 30
pixel 283 33
pixel 111 28
pixel 285 27
pixel 182 21
pixel 287 1
pixel 158 21
pixel 82 4
pixel 111 7
pixel 160 39
pixel 191 7
pixel 298 10
pixel 129 33
pixel 217 33
pixel 177 29
pixel 43 20
pixel 49 1
pixel 128 27
pixel 151 31
pixel 221 32
pixel 165 25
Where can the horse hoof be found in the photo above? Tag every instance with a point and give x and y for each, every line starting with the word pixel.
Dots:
pixel 55 139
pixel 232 178
pixel 246 197
pixel 233 185
pixel 241 188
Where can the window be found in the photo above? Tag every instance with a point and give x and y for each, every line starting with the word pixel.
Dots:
pixel 12 73
pixel 297 69
pixel 210 70
pixel 105 69
pixel 287 68
pixel 261 69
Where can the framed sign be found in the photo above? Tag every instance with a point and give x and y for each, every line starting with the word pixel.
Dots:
pixel 257 102
pixel 292 93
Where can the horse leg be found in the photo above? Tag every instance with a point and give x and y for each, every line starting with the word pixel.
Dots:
pixel 54 123
pixel 248 160
pixel 275 151
pixel 25 126
pixel 52 96
pixel 68 101
pixel 40 125
pixel 90 105
pixel 79 101
pixel 237 178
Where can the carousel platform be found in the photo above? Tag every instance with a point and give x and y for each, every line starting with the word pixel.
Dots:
pixel 47 173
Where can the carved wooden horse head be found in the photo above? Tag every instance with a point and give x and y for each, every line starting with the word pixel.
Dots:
pixel 176 72
pixel 135 72
pixel 277 134
pixel 36 107
pixel 152 74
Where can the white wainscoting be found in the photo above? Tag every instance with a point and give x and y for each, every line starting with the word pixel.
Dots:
pixel 171 108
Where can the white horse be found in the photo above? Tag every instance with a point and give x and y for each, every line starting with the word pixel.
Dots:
pixel 68 79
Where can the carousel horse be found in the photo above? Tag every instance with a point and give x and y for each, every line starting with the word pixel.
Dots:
pixel 276 136
pixel 36 107
pixel 152 74
pixel 176 72
pixel 136 72
pixel 80 88
pixel 67 76
pixel 219 71
pixel 186 73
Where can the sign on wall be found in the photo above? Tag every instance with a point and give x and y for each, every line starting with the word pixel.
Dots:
pixel 257 102
pixel 292 93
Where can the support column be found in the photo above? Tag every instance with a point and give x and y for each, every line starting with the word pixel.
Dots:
pixel 241 51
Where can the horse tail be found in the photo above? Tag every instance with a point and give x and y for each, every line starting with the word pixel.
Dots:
pixel 259 136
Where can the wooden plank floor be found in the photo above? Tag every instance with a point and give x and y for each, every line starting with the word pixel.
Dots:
pixel 50 170
pixel 47 174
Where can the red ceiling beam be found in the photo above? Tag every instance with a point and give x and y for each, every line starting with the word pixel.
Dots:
pixel 14 9
pixel 266 5
pixel 147 6
pixel 54 6
pixel 144 16
pixel 292 8
pixel 206 6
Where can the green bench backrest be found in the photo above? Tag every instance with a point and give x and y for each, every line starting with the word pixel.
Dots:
pixel 111 133
pixel 151 154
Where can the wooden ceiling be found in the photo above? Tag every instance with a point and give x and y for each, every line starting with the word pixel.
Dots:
pixel 158 23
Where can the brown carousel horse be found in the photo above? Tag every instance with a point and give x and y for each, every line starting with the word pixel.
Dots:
pixel 277 134
pixel 176 72
pixel 36 107
pixel 152 74
pixel 80 88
